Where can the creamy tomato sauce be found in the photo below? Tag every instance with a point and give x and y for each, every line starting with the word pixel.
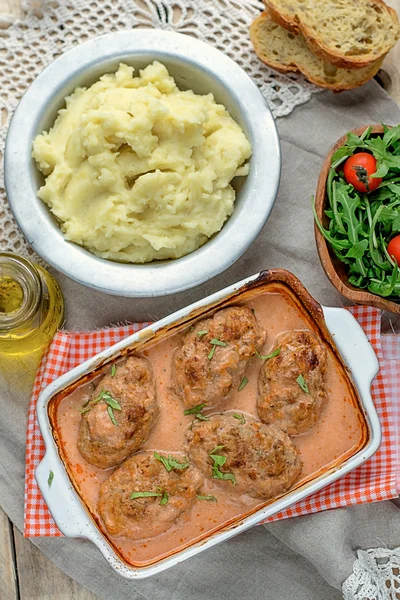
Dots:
pixel 337 435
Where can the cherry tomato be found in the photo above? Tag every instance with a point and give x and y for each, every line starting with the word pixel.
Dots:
pixel 394 248
pixel 358 170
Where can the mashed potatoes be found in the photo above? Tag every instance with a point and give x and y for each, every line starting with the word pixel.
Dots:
pixel 137 170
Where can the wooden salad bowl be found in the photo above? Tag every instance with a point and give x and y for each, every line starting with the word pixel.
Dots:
pixel 333 267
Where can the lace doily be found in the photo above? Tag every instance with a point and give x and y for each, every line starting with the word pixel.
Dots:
pixel 49 28
pixel 376 576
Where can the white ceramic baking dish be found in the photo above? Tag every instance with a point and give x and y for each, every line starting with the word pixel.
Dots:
pixel 70 513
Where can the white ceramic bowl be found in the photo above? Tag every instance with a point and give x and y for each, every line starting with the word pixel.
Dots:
pixel 194 65
pixel 64 503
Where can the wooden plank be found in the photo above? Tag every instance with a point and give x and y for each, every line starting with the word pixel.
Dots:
pixel 8 583
pixel 39 579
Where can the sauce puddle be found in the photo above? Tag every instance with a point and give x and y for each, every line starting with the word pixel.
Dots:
pixel 337 435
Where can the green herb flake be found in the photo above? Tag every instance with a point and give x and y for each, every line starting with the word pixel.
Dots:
pixel 176 464
pixel 243 383
pixel 209 498
pixel 170 462
pixel 240 418
pixel 164 499
pixel 268 356
pixel 111 401
pixel 113 370
pixel 135 495
pixel 50 478
pixel 218 459
pixel 216 449
pixel 301 381
pixel 107 397
pixel 111 415
pixel 219 462
pixel 224 476
pixel 202 332
pixel 163 460
pixel 194 410
pixel 216 342
pixel 201 417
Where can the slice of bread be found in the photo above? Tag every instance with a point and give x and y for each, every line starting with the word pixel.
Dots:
pixel 286 51
pixel 348 33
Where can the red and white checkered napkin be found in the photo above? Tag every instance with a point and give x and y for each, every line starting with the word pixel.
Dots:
pixel 377 479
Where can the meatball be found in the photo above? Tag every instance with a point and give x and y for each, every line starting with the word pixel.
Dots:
pixel 291 384
pixel 108 434
pixel 143 517
pixel 214 355
pixel 261 460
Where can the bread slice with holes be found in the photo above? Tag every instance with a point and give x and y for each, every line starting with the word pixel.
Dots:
pixel 348 33
pixel 287 51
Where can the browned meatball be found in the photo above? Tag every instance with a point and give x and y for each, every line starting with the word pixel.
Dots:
pixel 205 373
pixel 261 460
pixel 144 517
pixel 108 435
pixel 291 385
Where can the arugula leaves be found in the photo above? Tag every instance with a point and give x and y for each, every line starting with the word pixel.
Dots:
pixel 385 149
pixel 360 225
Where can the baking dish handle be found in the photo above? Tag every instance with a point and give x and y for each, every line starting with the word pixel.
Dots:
pixel 59 494
pixel 357 353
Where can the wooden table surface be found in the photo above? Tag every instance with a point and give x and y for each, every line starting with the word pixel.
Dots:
pixel 25 574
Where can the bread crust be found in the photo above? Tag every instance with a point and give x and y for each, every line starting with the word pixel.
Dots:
pixel 343 87
pixel 299 67
pixel 319 48
pixel 270 62
pixel 283 21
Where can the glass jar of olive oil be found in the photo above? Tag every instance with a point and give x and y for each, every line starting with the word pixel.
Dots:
pixel 31 307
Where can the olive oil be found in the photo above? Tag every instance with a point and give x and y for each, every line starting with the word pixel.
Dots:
pixel 11 295
pixel 31 307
